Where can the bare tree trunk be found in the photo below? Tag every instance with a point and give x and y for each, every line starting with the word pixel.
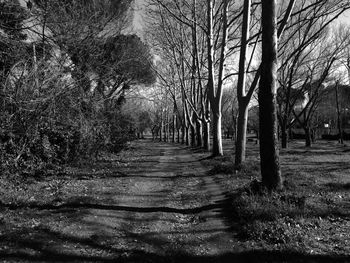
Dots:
pixel 206 136
pixel 206 127
pixel 269 154
pixel 210 44
pixel 339 122
pixel 161 130
pixel 241 138
pixel 174 129
pixel 217 137
pixel 308 139
pixel 241 91
pixel 215 96
pixel 168 130
pixel 199 133
pixel 183 134
pixel 187 135
pixel 193 135
pixel 164 133
pixel 153 134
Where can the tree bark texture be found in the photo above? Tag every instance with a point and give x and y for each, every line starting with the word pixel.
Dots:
pixel 206 136
pixel 193 135
pixel 174 129
pixel 308 139
pixel 183 134
pixel 339 122
pixel 269 154
pixel 241 138
pixel 217 136
pixel 187 136
pixel 161 129
pixel 199 133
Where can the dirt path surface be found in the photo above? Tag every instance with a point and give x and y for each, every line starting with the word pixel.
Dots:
pixel 159 206
pixel 166 205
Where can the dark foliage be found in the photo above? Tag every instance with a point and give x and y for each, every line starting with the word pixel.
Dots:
pixel 59 107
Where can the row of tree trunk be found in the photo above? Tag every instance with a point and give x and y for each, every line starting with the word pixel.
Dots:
pixel 201 103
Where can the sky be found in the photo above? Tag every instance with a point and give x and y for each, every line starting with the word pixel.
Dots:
pixel 345 18
pixel 140 6
pixel 138 21
pixel 137 25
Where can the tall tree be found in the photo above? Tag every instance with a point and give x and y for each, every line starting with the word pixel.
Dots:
pixel 269 154
pixel 245 94
pixel 243 99
pixel 215 90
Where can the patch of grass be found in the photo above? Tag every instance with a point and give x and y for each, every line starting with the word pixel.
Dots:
pixel 267 217
pixel 213 161
pixel 291 218
pixel 280 231
pixel 250 169
pixel 254 203
pixel 225 165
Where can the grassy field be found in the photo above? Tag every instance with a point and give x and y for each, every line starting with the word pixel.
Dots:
pixel 311 215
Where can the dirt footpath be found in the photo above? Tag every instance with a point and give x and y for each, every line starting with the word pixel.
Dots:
pixel 164 205
pixel 158 206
